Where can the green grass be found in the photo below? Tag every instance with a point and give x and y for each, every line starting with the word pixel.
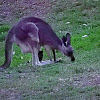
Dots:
pixel 65 80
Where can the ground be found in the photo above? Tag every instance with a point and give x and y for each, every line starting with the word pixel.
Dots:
pixel 65 80
pixel 10 10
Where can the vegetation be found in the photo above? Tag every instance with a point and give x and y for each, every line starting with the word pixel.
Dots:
pixel 64 80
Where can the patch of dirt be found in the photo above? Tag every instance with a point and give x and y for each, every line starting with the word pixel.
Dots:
pixel 9 94
pixel 89 80
pixel 81 81
pixel 10 10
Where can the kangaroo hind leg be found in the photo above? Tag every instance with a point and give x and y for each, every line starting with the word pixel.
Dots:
pixel 35 59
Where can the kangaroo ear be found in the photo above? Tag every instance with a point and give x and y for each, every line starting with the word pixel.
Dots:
pixel 68 39
pixel 64 39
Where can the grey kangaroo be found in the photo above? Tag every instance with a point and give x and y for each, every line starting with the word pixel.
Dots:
pixel 30 33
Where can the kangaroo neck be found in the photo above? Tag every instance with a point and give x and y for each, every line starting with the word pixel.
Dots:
pixel 61 47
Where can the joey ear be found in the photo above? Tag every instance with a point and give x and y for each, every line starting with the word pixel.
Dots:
pixel 41 51
pixel 68 39
pixel 64 39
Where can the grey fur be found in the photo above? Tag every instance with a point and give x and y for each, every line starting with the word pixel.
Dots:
pixel 30 34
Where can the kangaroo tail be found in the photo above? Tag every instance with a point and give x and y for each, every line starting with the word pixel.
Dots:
pixel 8 53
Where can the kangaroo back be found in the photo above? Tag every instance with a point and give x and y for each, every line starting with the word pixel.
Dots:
pixel 46 35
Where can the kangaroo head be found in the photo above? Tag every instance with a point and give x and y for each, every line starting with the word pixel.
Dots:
pixel 67 48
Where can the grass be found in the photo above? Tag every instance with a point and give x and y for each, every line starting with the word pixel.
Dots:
pixel 65 80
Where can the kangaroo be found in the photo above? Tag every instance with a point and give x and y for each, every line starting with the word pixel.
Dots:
pixel 30 33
